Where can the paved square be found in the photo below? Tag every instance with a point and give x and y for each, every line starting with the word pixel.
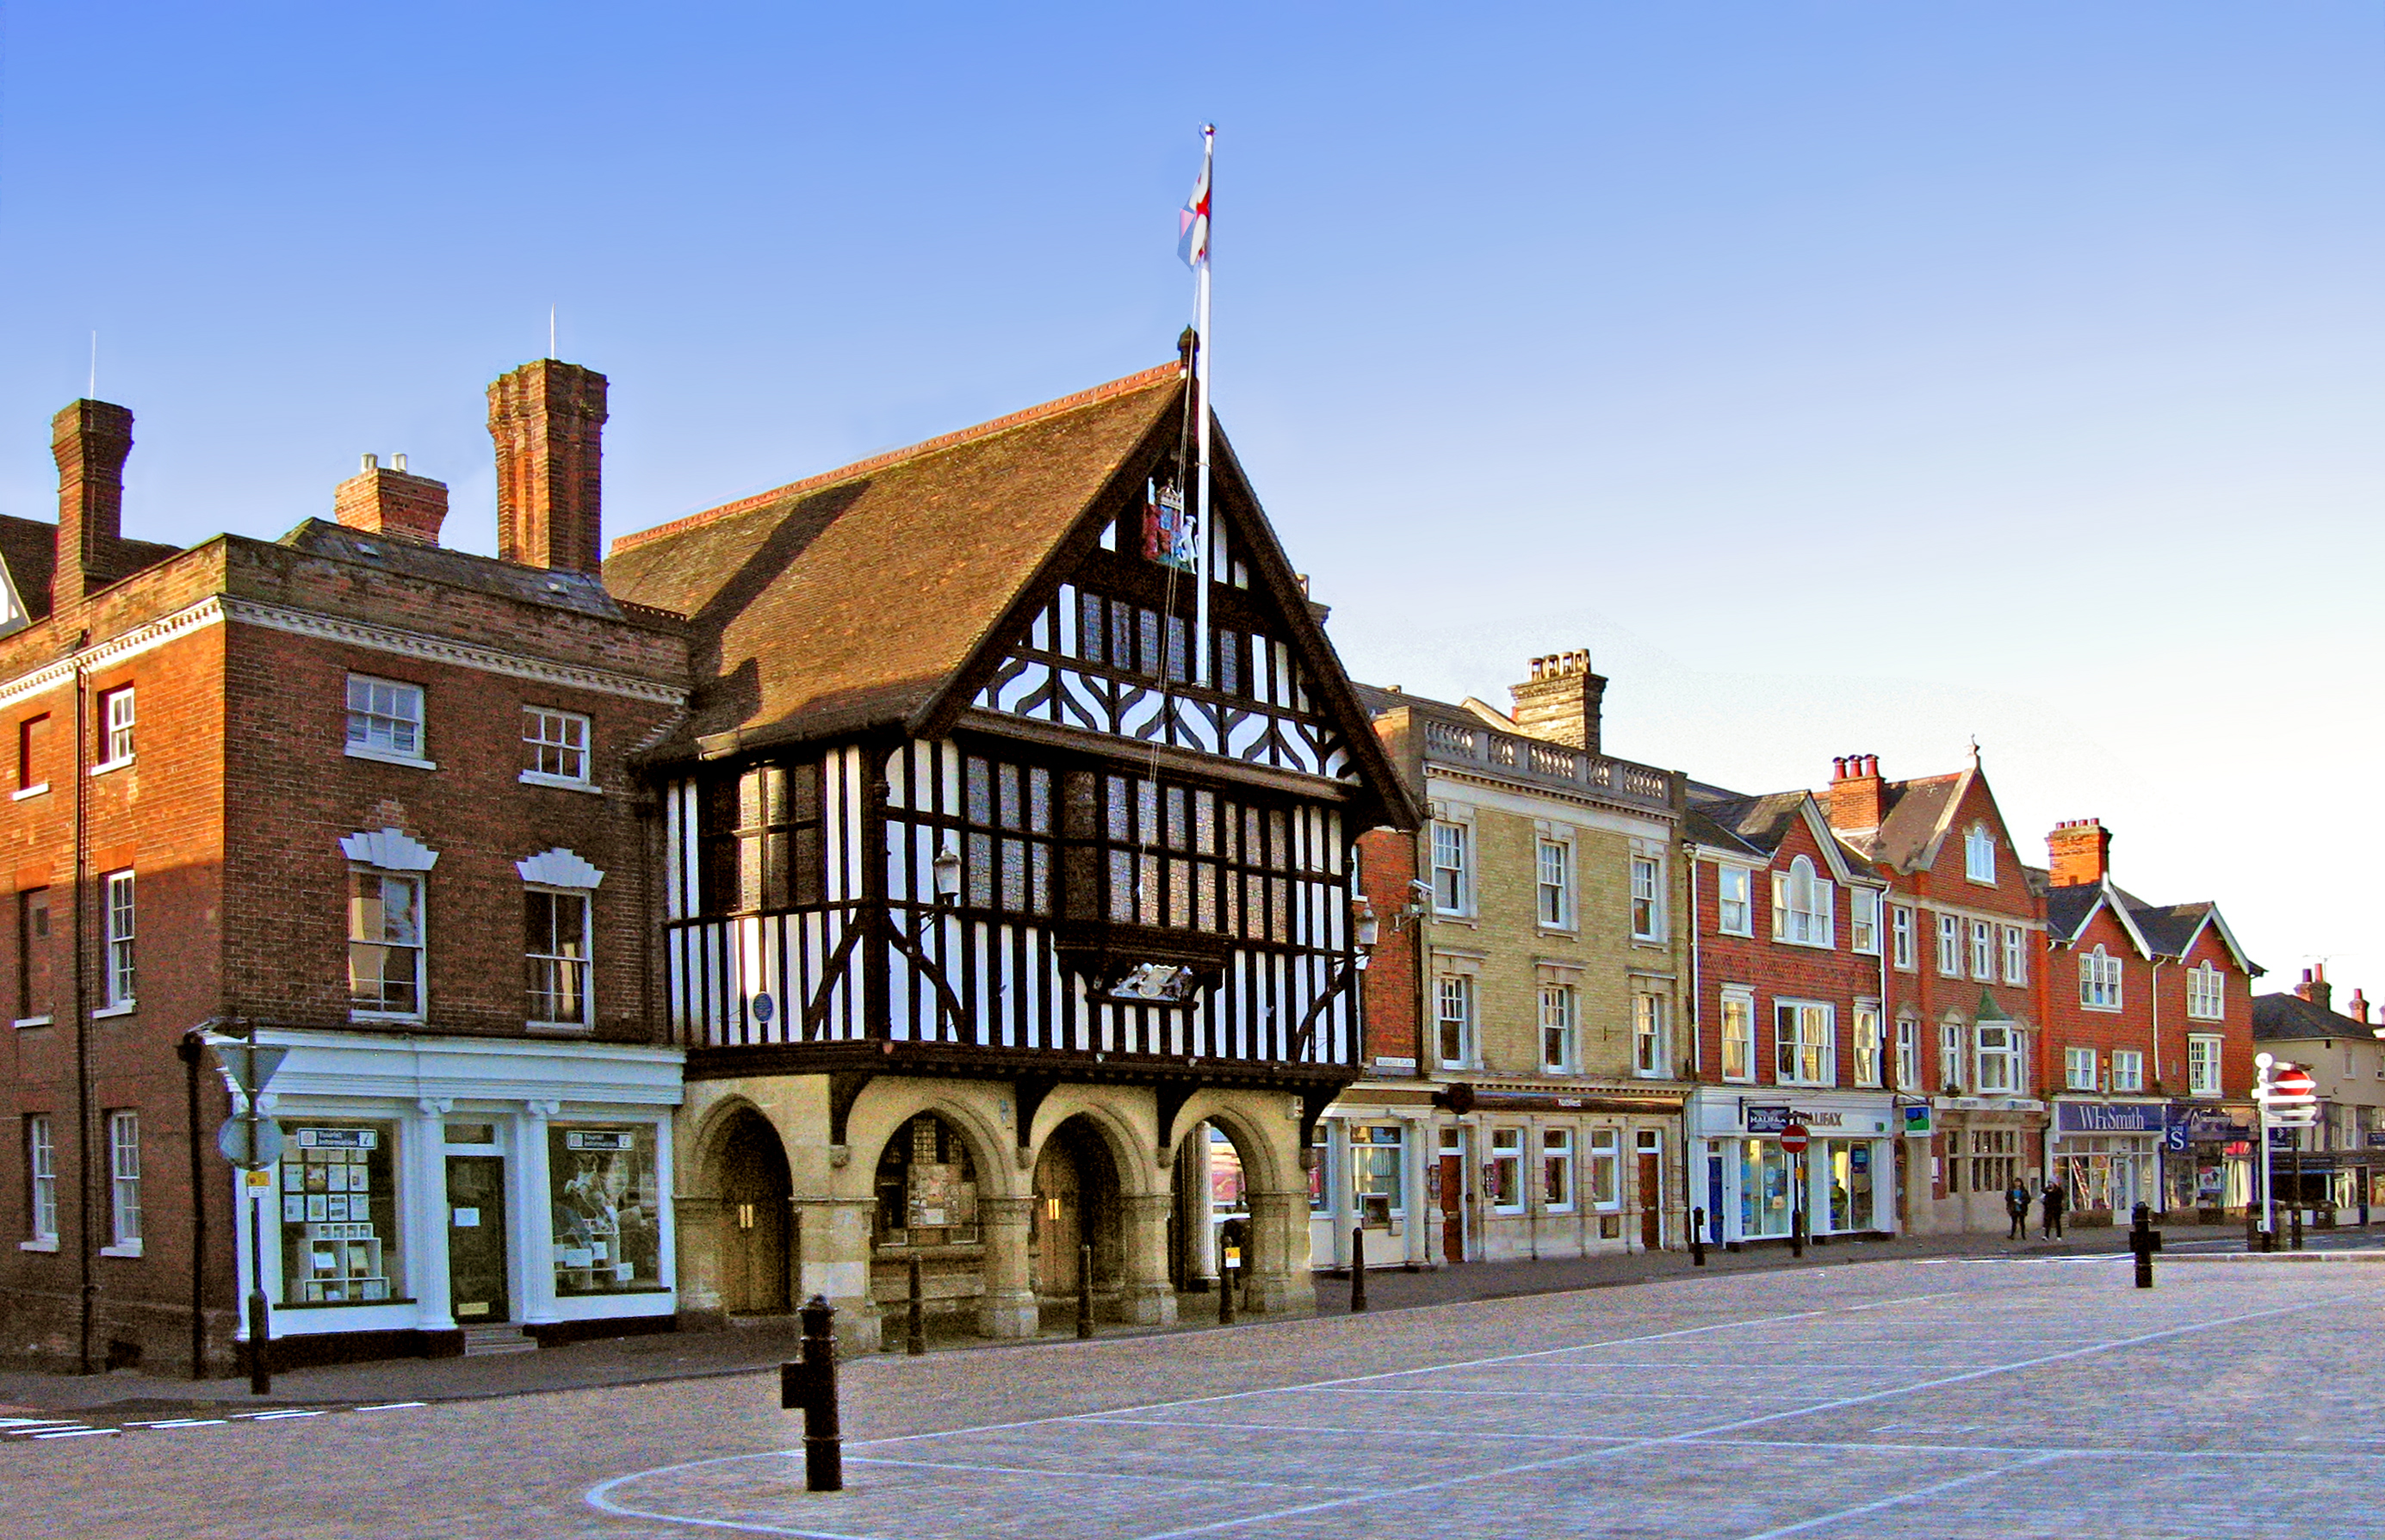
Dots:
pixel 1904 1399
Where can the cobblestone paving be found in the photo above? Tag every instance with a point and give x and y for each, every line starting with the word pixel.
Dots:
pixel 1907 1398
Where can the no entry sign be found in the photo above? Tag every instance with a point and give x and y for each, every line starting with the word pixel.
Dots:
pixel 1794 1138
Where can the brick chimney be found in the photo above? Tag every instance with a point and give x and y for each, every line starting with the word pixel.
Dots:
pixel 2315 988
pixel 2358 1008
pixel 88 440
pixel 1858 798
pixel 2079 852
pixel 548 420
pixel 1560 703
pixel 395 501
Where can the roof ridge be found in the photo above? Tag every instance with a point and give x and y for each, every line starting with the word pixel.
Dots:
pixel 1125 386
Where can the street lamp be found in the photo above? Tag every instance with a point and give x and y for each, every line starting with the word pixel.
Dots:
pixel 947 866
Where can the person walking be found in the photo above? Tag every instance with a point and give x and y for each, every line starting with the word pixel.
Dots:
pixel 2055 1201
pixel 2016 1205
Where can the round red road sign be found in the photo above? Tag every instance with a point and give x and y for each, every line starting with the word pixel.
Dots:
pixel 1794 1138
pixel 2295 1083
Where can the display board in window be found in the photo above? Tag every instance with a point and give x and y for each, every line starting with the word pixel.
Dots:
pixel 607 1231
pixel 339 1216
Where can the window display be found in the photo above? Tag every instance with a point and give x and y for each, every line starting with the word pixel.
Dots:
pixel 339 1216
pixel 606 1212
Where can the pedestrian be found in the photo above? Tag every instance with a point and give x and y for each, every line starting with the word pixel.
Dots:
pixel 2016 1205
pixel 2055 1201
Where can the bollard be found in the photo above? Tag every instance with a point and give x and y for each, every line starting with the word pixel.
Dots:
pixel 1357 1269
pixel 2144 1241
pixel 1797 1234
pixel 2298 1227
pixel 1084 1291
pixel 810 1385
pixel 1230 1273
pixel 916 1342
pixel 1698 1237
pixel 2252 1229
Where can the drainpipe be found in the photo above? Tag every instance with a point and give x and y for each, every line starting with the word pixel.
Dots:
pixel 189 1050
pixel 83 1175
pixel 1693 1102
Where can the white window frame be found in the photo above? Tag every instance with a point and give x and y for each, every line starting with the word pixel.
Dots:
pixel 2128 1070
pixel 1908 1053
pixel 537 722
pixel 40 1184
pixel 2015 945
pixel 1647 899
pixel 1998 1048
pixel 1805 1042
pixel 2079 1070
pixel 123 1184
pixel 1652 1037
pixel 1954 1057
pixel 1454 989
pixel 1900 930
pixel 1553 875
pixel 369 713
pixel 586 961
pixel 1950 946
pixel 1734 901
pixel 1556 1157
pixel 2202 1076
pixel 1739 1029
pixel 1979 854
pixel 2206 993
pixel 1559 1015
pixel 120 928
pixel 2099 981
pixel 1803 906
pixel 1983 951
pixel 118 716
pixel 1452 853
pixel 1863 921
pixel 1507 1149
pixel 1607 1170
pixel 421 947
pixel 1870 1047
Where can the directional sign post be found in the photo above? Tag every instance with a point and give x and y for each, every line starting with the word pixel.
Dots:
pixel 252 1142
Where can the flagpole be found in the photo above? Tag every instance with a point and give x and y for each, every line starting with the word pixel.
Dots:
pixel 1202 535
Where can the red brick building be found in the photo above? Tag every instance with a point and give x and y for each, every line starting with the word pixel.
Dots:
pixel 368 799
pixel 1962 938
pixel 1790 974
pixel 2147 1051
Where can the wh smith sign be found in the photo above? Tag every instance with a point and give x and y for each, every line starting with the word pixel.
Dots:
pixel 2103 1117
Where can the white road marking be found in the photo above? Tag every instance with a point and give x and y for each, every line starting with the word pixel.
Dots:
pixel 1972 1480
pixel 1102 1475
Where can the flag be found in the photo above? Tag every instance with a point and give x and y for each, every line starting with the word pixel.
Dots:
pixel 1193 220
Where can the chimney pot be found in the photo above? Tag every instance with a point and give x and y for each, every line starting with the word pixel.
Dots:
pixel 547 420
pixel 1856 799
pixel 395 503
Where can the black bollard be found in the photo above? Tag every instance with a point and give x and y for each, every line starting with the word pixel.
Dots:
pixel 1797 1234
pixel 1697 1237
pixel 2298 1226
pixel 2144 1241
pixel 1230 1273
pixel 1084 1291
pixel 916 1342
pixel 810 1386
pixel 2252 1228
pixel 1357 1269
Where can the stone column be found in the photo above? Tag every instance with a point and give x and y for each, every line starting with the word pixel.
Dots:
pixel 535 1194
pixel 834 1235
pixel 422 1213
pixel 1412 1195
pixel 1202 1212
pixel 1148 1296
pixel 1280 1283
pixel 1008 1307
pixel 1341 1202
pixel 697 1226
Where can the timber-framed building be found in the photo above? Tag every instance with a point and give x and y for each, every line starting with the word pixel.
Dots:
pixel 998 923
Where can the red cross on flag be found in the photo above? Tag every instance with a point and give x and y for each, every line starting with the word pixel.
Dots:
pixel 1193 220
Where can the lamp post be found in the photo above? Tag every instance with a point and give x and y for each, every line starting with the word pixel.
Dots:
pixel 947 866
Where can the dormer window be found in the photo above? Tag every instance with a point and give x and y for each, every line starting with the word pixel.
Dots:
pixel 2206 993
pixel 1979 854
pixel 2099 981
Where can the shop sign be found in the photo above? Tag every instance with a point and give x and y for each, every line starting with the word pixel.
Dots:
pixel 2204 1125
pixel 1769 1119
pixel 1917 1120
pixel 2376 1139
pixel 339 1139
pixel 2106 1117
pixel 586 1139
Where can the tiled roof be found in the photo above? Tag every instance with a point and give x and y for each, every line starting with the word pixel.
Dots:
pixel 2290 1016
pixel 528 585
pixel 1916 817
pixel 31 548
pixel 1758 823
pixel 850 599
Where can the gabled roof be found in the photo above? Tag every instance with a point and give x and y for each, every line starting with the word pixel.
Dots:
pixel 2158 930
pixel 2069 910
pixel 876 595
pixel 1919 812
pixel 2290 1017
pixel 1758 824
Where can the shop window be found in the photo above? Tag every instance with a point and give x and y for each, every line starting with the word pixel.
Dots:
pixel 1737 1035
pixel 2128 1070
pixel 1320 1162
pixel 927 1187
pixel 1995 1159
pixel 1734 910
pixel 1503 1176
pixel 1557 1028
pixel 556 939
pixel 340 1235
pixel 42 1182
pixel 2206 994
pixel 384 719
pixel 1606 1168
pixel 607 1213
pixel 1375 1154
pixel 385 944
pixel 117 919
pixel 2202 1065
pixel 555 747
pixel 1557 1169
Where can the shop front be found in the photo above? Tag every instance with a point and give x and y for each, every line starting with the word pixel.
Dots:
pixel 1754 1189
pixel 431 1184
pixel 2108 1156
pixel 2206 1161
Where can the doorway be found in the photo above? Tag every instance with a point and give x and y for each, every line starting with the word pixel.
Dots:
pixel 476 1239
pixel 1651 1150
pixel 1452 1194
pixel 755 1187
pixel 1076 1193
pixel 1211 1191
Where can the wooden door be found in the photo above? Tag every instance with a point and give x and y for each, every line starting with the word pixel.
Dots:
pixel 1652 1201
pixel 754 1218
pixel 476 1239
pixel 1452 1206
pixel 1058 1229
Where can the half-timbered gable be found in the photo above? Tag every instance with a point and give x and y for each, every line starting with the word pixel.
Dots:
pixel 966 796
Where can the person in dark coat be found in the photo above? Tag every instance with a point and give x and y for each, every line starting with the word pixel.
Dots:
pixel 2055 1201
pixel 2016 1205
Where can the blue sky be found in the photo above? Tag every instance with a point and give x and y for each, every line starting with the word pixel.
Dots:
pixel 1847 377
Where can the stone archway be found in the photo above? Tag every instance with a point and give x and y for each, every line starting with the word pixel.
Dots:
pixel 929 1209
pixel 1077 1204
pixel 756 1259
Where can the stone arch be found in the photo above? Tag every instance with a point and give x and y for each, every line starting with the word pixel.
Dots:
pixel 1082 1209
pixel 1127 1137
pixel 1269 1226
pixel 1263 1159
pixel 746 1183
pixel 886 1105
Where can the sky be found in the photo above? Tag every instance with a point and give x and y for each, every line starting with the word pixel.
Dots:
pixel 1848 378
